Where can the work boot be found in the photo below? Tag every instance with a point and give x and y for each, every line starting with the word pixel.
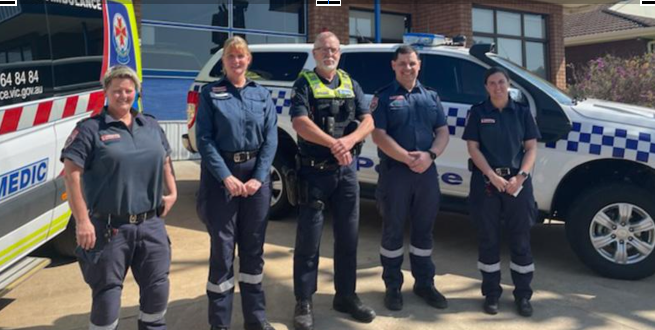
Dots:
pixel 431 296
pixel 491 305
pixel 524 307
pixel 393 299
pixel 303 316
pixel 353 306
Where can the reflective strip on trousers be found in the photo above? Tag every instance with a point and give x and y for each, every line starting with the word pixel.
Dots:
pixel 521 269
pixel 391 254
pixel 489 268
pixel 250 279
pixel 420 252
pixel 220 288
pixel 151 318
pixel 105 327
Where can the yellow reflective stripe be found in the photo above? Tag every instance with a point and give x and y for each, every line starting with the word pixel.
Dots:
pixel 60 223
pixel 32 239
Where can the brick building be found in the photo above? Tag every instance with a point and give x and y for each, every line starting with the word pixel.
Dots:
pixel 178 39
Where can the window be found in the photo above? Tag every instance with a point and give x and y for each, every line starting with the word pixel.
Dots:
pixel 519 37
pixel 76 37
pixel 371 70
pixel 362 26
pixel 456 80
pixel 651 47
pixel 25 59
pixel 166 48
pixel 277 66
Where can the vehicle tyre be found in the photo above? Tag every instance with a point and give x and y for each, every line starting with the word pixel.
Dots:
pixel 65 243
pixel 280 205
pixel 611 229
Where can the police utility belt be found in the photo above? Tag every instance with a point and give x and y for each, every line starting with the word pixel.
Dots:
pixel 325 165
pixel 240 156
pixel 128 218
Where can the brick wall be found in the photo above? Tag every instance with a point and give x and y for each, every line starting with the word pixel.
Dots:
pixel 334 19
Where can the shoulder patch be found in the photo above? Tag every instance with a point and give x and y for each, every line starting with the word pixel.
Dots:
pixel 383 88
pixel 374 104
pixel 71 137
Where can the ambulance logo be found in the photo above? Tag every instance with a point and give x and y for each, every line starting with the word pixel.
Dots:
pixel 121 39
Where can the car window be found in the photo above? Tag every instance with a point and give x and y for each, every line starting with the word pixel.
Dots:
pixel 278 66
pixel 25 60
pixel 456 80
pixel 372 70
pixel 76 37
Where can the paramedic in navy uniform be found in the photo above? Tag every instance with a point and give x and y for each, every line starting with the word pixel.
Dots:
pixel 501 136
pixel 237 138
pixel 411 132
pixel 120 183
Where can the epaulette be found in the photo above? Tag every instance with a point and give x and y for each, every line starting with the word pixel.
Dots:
pixel 380 90
pixel 149 115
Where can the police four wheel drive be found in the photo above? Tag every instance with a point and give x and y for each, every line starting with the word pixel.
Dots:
pixel 595 168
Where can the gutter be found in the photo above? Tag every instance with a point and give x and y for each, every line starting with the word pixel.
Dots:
pixel 648 32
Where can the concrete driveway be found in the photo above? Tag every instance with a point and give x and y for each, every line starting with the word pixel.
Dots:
pixel 567 295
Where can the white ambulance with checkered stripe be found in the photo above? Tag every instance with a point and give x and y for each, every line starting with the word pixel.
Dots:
pixel 595 167
pixel 52 55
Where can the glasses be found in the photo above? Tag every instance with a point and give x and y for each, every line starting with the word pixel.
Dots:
pixel 327 50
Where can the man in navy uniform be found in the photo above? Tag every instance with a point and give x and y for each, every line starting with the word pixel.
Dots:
pixel 411 132
pixel 325 106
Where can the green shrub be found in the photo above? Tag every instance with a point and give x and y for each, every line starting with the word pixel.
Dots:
pixel 617 79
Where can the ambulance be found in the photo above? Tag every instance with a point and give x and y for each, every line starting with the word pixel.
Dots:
pixel 52 55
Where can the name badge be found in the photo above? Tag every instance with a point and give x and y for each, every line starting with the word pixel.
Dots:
pixel 109 137
pixel 220 96
pixel 487 121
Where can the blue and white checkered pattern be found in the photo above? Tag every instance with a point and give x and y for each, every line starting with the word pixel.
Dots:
pixel 456 119
pixel 608 142
pixel 282 99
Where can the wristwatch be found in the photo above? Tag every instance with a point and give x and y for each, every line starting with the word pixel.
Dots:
pixel 524 174
pixel 432 154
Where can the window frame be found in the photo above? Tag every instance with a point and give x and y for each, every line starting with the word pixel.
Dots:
pixel 408 22
pixel 524 39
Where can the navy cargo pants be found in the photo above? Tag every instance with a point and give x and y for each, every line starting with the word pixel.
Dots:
pixel 402 194
pixel 144 248
pixel 339 190
pixel 231 221
pixel 488 207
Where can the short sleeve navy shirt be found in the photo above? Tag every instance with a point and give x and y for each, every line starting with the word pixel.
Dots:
pixel 123 168
pixel 501 133
pixel 408 117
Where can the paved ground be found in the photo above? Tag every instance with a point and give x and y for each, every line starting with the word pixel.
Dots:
pixel 568 296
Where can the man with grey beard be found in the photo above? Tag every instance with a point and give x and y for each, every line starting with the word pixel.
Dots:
pixel 329 113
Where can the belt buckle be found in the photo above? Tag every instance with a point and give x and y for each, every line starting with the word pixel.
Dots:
pixel 237 157
pixel 503 171
pixel 133 218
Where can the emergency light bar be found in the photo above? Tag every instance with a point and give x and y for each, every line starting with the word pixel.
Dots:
pixel 432 40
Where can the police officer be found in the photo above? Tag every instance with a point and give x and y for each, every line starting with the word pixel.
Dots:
pixel 325 105
pixel 237 138
pixel 120 182
pixel 411 132
pixel 501 136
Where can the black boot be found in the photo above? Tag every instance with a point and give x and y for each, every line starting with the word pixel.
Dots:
pixel 393 299
pixel 491 305
pixel 524 307
pixel 353 306
pixel 258 326
pixel 431 296
pixel 303 316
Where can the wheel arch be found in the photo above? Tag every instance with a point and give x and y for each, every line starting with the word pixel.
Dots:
pixel 598 172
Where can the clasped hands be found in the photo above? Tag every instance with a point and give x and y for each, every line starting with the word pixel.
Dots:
pixel 341 150
pixel 509 186
pixel 418 161
pixel 236 188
